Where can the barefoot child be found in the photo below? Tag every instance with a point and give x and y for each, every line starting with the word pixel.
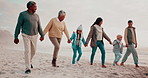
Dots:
pixel 77 43
pixel 117 49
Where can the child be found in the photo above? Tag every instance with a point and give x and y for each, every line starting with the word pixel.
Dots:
pixel 117 49
pixel 77 43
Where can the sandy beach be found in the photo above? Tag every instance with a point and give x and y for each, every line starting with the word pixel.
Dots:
pixel 12 65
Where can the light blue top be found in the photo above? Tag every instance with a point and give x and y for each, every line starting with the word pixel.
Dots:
pixel 74 37
pixel 117 46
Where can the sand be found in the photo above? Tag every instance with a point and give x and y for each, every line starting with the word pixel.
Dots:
pixel 12 65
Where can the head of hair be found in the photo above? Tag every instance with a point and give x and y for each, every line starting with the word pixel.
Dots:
pixel 98 20
pixel 61 12
pixel 130 21
pixel 119 36
pixel 30 4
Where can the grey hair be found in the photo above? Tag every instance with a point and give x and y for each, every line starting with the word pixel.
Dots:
pixel 30 3
pixel 61 12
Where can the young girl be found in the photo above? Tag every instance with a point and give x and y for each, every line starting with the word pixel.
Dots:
pixel 77 43
pixel 117 49
pixel 96 36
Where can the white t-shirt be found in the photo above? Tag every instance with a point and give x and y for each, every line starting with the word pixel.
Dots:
pixel 99 32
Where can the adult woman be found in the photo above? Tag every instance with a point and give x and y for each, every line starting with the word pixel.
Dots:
pixel 96 35
pixel 55 29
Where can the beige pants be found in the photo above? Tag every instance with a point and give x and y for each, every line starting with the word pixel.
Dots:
pixel 56 43
pixel 30 48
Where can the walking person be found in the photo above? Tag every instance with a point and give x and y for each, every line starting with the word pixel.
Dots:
pixel 77 39
pixel 55 29
pixel 29 24
pixel 131 43
pixel 96 35
pixel 117 49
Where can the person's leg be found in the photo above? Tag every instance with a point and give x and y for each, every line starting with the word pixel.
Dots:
pixel 27 46
pixel 135 56
pixel 118 57
pixel 93 54
pixel 74 56
pixel 80 53
pixel 128 52
pixel 101 47
pixel 56 43
pixel 33 47
pixel 115 59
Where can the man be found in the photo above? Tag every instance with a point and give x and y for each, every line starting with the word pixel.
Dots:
pixel 131 43
pixel 29 24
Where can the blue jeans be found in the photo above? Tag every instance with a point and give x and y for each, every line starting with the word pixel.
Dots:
pixel 75 54
pixel 101 47
pixel 117 56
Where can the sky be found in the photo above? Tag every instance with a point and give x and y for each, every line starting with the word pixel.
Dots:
pixel 115 14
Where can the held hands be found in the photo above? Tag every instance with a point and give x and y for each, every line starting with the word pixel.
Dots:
pixel 86 45
pixel 136 45
pixel 16 41
pixel 69 41
pixel 110 42
pixel 41 38
pixel 127 45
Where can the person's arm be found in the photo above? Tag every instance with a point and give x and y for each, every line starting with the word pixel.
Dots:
pixel 90 34
pixel 106 37
pixel 48 27
pixel 115 43
pixel 125 37
pixel 72 36
pixel 83 40
pixel 39 28
pixel 18 26
pixel 66 32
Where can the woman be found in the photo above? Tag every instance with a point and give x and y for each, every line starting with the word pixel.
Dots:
pixel 96 35
pixel 55 29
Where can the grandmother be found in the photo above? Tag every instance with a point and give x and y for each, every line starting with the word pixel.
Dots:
pixel 55 29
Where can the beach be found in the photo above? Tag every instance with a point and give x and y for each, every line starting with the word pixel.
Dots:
pixel 12 63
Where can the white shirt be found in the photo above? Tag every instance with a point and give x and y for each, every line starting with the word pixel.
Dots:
pixel 99 32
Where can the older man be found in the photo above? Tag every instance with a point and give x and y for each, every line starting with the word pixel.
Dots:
pixel 29 24
pixel 55 29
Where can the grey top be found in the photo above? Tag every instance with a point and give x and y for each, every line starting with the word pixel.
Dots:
pixel 28 24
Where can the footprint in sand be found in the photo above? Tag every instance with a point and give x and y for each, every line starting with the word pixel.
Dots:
pixel 2 73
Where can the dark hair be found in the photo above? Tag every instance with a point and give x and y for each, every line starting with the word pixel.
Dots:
pixel 77 35
pixel 98 20
pixel 130 21
pixel 30 3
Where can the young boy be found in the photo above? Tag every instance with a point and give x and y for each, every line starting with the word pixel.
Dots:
pixel 131 43
pixel 117 49
pixel 77 43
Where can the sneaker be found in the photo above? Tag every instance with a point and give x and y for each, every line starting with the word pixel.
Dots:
pixel 122 64
pixel 28 71
pixel 91 63
pixel 103 66
pixel 31 66
pixel 137 65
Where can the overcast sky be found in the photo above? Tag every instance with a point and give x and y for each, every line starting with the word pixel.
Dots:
pixel 115 14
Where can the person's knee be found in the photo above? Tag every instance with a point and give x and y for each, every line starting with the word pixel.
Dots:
pixel 57 47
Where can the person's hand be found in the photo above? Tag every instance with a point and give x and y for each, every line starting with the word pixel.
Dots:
pixel 110 42
pixel 69 41
pixel 127 45
pixel 41 38
pixel 16 41
pixel 136 45
pixel 86 45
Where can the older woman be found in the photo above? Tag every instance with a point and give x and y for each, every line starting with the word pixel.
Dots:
pixel 55 29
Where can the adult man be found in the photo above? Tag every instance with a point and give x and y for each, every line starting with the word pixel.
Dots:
pixel 130 40
pixel 29 24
